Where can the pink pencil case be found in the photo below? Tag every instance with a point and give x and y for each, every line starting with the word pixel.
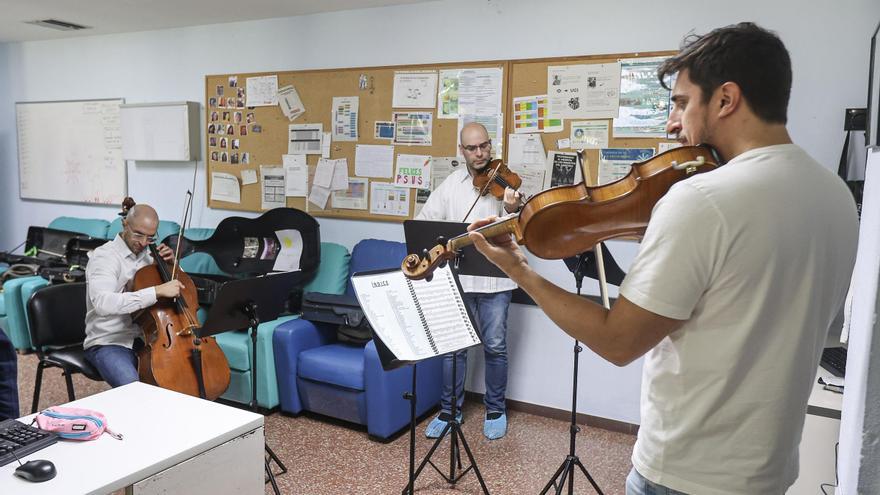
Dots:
pixel 74 424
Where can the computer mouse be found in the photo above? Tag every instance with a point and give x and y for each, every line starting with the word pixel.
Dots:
pixel 37 470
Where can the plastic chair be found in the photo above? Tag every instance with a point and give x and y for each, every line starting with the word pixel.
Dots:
pixel 58 329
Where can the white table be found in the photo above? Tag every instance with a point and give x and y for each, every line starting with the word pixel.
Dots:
pixel 821 430
pixel 173 443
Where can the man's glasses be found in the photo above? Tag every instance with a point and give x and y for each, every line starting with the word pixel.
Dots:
pixel 137 236
pixel 470 148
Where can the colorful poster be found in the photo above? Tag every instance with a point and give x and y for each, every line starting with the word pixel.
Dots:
pixel 530 115
pixel 388 199
pixel 345 118
pixel 615 163
pixel 412 128
pixel 413 171
pixel 644 103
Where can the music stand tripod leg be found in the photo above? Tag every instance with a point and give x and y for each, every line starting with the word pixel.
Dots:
pixel 411 397
pixel 453 427
pixel 251 311
pixel 566 470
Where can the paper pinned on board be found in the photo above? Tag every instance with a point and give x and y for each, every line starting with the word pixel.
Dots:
pixel 296 170
pixel 262 91
pixel 290 102
pixel 248 176
pixel 273 187
pixel 224 187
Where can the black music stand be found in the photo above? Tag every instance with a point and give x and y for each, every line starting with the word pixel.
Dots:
pixel 584 264
pixel 422 235
pixel 425 234
pixel 244 303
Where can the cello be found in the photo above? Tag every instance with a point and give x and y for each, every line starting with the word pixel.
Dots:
pixel 565 221
pixel 174 356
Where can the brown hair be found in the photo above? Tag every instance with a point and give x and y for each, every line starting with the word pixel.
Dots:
pixel 750 56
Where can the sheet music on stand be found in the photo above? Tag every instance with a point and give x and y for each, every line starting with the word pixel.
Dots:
pixel 414 319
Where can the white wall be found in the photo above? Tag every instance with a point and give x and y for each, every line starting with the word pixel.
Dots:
pixel 828 43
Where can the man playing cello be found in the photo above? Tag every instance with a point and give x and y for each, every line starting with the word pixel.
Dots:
pixel 112 339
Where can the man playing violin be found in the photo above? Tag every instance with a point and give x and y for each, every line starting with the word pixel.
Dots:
pixel 112 339
pixel 738 277
pixel 488 298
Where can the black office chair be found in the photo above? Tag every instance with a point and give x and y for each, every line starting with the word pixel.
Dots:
pixel 57 324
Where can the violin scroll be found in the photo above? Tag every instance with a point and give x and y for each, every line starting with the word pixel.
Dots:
pixel 418 268
pixel 127 204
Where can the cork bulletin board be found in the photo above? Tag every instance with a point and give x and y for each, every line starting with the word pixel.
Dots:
pixel 316 89
pixel 255 136
pixel 529 77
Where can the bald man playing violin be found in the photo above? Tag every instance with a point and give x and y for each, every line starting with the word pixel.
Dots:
pixel 457 200
pixel 738 277
pixel 112 339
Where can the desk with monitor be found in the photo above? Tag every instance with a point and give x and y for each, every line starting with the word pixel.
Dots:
pixel 173 443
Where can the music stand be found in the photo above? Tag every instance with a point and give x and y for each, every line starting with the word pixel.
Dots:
pixel 423 235
pixel 595 264
pixel 244 303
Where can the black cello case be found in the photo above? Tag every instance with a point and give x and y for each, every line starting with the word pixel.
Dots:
pixel 244 247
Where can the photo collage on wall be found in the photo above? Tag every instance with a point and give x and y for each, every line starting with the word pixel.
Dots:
pixel 229 121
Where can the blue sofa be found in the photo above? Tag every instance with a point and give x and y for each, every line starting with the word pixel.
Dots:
pixel 319 374
pixel 237 345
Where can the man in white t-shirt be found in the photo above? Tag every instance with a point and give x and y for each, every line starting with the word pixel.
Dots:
pixel 488 298
pixel 738 277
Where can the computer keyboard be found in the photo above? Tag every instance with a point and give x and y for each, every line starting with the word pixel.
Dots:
pixel 18 440
pixel 834 360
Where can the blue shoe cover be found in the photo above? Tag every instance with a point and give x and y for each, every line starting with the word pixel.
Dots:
pixel 435 427
pixel 495 428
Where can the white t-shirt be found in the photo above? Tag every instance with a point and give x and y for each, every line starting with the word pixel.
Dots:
pixel 757 257
pixel 450 202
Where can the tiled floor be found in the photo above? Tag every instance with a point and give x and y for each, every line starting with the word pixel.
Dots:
pixel 328 457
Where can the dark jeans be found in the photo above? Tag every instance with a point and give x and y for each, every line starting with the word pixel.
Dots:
pixel 117 364
pixel 8 379
pixel 490 312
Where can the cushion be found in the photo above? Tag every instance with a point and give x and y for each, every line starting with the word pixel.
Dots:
pixel 338 364
pixel 332 274
pixel 89 226
pixel 374 254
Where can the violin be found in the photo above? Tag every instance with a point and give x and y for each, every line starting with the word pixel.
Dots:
pixel 565 221
pixel 495 178
pixel 174 356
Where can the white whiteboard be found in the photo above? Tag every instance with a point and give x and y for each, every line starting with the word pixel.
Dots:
pixel 70 151
pixel 160 131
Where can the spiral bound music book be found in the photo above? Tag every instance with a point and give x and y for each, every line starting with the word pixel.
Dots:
pixel 414 319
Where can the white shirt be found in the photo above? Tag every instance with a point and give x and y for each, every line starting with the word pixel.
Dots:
pixel 450 202
pixel 109 305
pixel 757 257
